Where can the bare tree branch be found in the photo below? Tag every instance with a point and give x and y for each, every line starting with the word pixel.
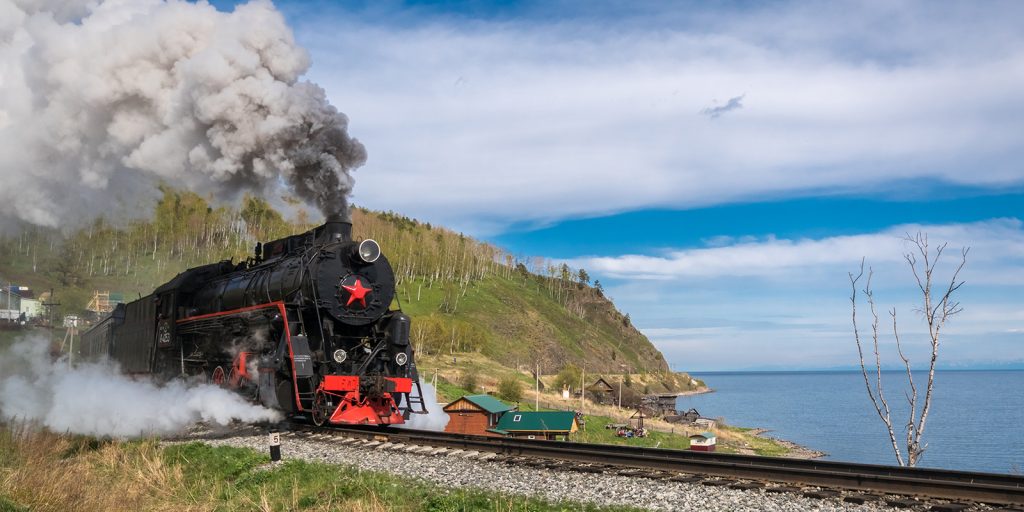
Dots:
pixel 922 265
pixel 883 409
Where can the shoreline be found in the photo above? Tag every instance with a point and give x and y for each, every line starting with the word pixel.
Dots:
pixel 693 392
pixel 796 451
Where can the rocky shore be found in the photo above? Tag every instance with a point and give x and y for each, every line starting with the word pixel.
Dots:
pixel 796 451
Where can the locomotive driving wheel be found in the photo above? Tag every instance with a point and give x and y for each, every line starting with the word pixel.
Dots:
pixel 321 409
pixel 217 378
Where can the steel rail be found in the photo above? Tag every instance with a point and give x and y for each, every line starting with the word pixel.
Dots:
pixel 992 488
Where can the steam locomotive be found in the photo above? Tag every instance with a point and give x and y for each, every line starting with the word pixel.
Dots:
pixel 304 326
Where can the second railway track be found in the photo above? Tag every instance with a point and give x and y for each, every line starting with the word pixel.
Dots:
pixel 988 488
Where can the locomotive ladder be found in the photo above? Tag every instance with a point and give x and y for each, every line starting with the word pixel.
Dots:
pixel 417 404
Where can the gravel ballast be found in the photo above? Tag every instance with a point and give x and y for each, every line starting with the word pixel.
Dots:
pixel 465 470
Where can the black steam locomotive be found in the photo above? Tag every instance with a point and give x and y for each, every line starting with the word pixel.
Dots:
pixel 304 327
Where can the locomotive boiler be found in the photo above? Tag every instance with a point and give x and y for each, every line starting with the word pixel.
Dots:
pixel 305 326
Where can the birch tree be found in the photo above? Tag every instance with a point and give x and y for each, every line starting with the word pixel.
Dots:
pixel 937 307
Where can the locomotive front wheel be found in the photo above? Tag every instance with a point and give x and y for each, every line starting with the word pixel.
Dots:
pixel 320 409
pixel 217 378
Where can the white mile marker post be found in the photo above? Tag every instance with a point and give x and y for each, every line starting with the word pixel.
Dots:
pixel 275 447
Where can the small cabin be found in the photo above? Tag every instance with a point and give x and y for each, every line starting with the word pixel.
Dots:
pixel 660 404
pixel 703 442
pixel 601 391
pixel 475 415
pixel 705 422
pixel 549 425
pixel 691 416
pixel 687 417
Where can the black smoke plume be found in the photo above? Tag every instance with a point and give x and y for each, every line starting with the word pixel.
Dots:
pixel 102 100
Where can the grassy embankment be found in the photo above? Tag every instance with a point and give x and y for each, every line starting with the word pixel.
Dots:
pixel 40 471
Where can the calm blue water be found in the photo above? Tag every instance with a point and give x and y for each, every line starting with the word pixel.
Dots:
pixel 976 422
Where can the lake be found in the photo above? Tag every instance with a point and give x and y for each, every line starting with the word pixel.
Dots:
pixel 976 421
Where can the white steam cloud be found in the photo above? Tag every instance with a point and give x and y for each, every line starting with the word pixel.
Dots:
pixel 435 419
pixel 96 399
pixel 103 99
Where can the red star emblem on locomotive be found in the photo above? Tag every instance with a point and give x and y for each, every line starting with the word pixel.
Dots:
pixel 356 291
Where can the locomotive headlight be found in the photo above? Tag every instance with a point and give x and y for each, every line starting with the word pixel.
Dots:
pixel 401 358
pixel 369 251
pixel 339 356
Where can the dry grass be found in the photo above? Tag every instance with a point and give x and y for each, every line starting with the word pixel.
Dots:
pixel 46 471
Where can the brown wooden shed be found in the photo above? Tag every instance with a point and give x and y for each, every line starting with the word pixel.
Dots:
pixel 601 392
pixel 475 414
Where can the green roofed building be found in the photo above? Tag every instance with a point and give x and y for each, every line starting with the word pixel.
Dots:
pixel 550 425
pixel 475 414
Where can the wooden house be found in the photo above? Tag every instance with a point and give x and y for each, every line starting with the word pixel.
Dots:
pixel 601 391
pixel 691 416
pixel 705 422
pixel 660 404
pixel 475 414
pixel 550 425
pixel 703 442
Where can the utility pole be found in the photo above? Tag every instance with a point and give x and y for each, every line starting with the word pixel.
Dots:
pixel 536 405
pixel 69 340
pixel 49 311
pixel 583 390
pixel 537 376
pixel 622 368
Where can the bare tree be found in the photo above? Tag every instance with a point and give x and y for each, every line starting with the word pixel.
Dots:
pixel 936 310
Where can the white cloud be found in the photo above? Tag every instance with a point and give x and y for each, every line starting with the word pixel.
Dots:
pixel 996 247
pixel 480 123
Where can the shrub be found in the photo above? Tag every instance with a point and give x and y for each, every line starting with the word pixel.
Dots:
pixel 569 377
pixel 469 381
pixel 510 389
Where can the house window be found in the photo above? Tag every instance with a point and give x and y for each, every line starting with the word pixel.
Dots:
pixel 517 417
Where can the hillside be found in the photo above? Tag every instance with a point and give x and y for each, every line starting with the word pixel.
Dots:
pixel 465 297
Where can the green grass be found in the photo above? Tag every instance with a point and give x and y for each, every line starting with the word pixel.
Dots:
pixel 7 337
pixel 597 433
pixel 7 505
pixel 518 317
pixel 447 392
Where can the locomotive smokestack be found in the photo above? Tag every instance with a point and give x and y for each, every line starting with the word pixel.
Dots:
pixel 337 230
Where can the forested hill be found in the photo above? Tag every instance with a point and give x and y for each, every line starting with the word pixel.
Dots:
pixel 463 295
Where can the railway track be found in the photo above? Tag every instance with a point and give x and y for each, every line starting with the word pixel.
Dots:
pixel 988 488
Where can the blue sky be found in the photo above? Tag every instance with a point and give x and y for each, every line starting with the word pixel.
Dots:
pixel 720 167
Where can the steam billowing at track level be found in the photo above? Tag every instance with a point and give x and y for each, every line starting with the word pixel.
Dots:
pixel 96 399
pixel 103 100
